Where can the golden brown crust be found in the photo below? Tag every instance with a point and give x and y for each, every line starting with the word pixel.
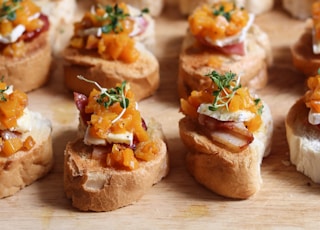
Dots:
pixel 92 187
pixel 234 175
pixel 24 167
pixel 31 71
pixel 143 75
pixel 303 57
pixel 252 67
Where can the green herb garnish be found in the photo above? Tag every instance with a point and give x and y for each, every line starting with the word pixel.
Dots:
pixel 227 86
pixel 8 11
pixel 260 109
pixel 110 96
pixel 221 11
pixel 114 15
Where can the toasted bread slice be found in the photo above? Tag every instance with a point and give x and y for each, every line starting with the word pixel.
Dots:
pixel 303 141
pixel 25 167
pixel 155 7
pixel 234 175
pixel 143 74
pixel 252 67
pixel 302 55
pixel 92 186
pixel 32 70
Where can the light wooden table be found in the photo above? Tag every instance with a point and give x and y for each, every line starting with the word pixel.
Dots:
pixel 287 199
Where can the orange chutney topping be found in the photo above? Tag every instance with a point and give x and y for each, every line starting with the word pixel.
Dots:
pixel 312 96
pixel 116 119
pixel 217 21
pixel 114 42
pixel 241 100
pixel 11 109
pixel 15 13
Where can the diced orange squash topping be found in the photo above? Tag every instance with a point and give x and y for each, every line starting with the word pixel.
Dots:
pixel 241 100
pixel 113 44
pixel 117 120
pixel 312 96
pixel 11 108
pixel 11 146
pixel 23 11
pixel 28 143
pixel 122 158
pixel 217 21
pixel 146 151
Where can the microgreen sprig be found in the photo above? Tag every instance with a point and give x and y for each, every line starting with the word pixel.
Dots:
pixel 115 15
pixel 110 96
pixel 8 11
pixel 221 11
pixel 227 85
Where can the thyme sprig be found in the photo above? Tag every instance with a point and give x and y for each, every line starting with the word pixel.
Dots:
pixel 8 11
pixel 221 11
pixel 227 85
pixel 108 97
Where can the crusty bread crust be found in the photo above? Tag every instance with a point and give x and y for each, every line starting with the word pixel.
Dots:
pixel 303 141
pixel 92 187
pixel 302 55
pixel 155 7
pixel 31 71
pixel 23 168
pixel 143 74
pixel 234 175
pixel 252 67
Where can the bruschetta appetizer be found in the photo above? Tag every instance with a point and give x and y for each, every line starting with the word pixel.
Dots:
pixel 223 37
pixel 118 155
pixel 227 132
pixel 25 142
pixel 302 129
pixel 106 48
pixel 25 51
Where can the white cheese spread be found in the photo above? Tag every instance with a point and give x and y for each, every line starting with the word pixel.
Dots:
pixel 224 115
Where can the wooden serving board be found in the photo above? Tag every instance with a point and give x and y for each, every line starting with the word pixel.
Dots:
pixel 287 199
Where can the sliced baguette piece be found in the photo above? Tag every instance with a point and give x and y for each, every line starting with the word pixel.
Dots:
pixel 234 175
pixel 32 70
pixel 252 67
pixel 93 187
pixel 155 7
pixel 302 55
pixel 143 74
pixel 303 141
pixel 24 167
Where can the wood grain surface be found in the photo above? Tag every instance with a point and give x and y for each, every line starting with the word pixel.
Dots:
pixel 287 199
